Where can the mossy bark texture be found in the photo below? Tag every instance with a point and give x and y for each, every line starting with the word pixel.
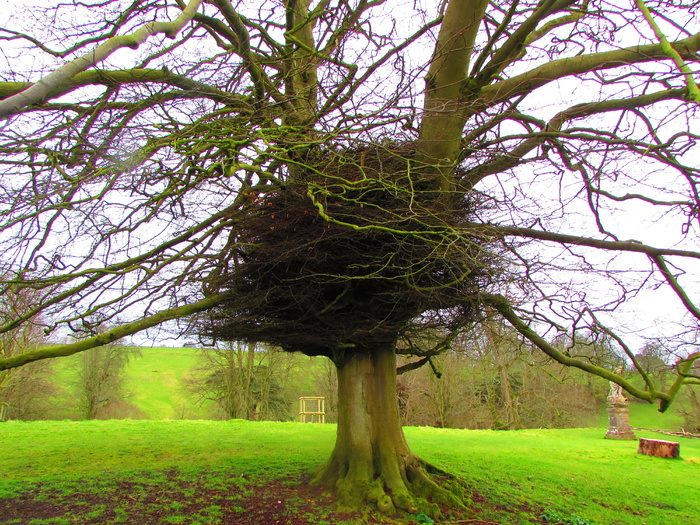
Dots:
pixel 371 462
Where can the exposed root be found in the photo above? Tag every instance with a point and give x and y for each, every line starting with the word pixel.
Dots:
pixel 415 490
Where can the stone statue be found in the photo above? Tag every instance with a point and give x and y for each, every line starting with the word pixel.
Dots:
pixel 616 394
pixel 618 413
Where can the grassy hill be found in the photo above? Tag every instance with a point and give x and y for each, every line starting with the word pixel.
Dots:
pixel 156 383
pixel 215 472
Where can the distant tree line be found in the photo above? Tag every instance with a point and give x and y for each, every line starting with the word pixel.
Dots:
pixel 244 383
pixel 490 379
pixel 96 388
pixel 495 380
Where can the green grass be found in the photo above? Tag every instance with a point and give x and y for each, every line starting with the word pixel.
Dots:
pixel 154 379
pixel 518 474
pixel 155 382
pixel 644 415
pixel 572 470
pixel 54 449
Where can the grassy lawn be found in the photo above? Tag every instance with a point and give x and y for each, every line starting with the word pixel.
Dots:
pixel 644 415
pixel 516 475
pixel 572 471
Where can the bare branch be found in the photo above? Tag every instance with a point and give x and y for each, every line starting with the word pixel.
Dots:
pixel 112 335
pixel 42 89
pixel 673 282
pixel 501 304
pixel 621 246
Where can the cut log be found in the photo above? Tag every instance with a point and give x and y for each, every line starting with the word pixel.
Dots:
pixel 659 448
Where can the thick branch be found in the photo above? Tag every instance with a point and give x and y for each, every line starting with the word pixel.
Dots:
pixel 693 90
pixel 447 87
pixel 412 366
pixel 528 82
pixel 301 81
pixel 39 91
pixel 126 76
pixel 241 41
pixel 113 335
pixel 620 246
pixel 502 305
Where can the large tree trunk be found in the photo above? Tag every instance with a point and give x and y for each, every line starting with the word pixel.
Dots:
pixel 371 461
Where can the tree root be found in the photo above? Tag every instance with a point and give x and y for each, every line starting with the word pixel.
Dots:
pixel 421 487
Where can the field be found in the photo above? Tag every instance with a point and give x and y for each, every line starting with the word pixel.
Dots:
pixel 215 472
pixel 155 383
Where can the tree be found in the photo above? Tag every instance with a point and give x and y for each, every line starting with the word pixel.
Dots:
pixel 273 172
pixel 24 392
pixel 651 359
pixel 99 380
pixel 491 378
pixel 244 383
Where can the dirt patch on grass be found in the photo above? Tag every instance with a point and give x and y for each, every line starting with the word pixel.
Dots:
pixel 177 500
pixel 187 500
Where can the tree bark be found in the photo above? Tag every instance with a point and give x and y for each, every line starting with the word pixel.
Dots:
pixel 371 461
pixel 447 91
pixel 512 418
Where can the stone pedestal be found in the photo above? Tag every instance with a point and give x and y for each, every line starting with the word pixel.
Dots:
pixel 619 416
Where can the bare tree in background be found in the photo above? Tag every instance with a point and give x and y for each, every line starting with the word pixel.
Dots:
pixel 25 392
pixel 337 178
pixel 99 382
pixel 243 382
pixel 492 378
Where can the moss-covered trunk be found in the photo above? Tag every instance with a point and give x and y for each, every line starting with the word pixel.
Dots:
pixel 371 462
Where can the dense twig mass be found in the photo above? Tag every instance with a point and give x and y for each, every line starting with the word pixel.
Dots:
pixel 348 254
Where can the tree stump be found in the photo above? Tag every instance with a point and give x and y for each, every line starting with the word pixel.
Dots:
pixel 659 448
